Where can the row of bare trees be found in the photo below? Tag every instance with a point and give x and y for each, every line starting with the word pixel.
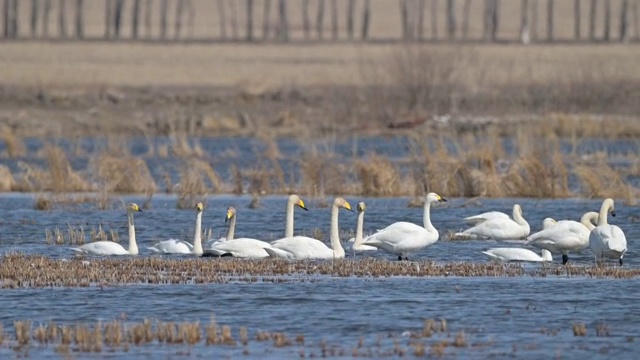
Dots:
pixel 234 26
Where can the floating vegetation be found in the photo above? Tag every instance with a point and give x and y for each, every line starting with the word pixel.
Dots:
pixel 17 270
pixel 77 235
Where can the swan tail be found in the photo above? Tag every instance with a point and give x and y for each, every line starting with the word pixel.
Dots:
pixel 78 250
pixel 154 250
pixel 278 253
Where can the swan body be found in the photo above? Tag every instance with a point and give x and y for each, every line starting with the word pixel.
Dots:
pixel 517 254
pixel 302 247
pixel 357 245
pixel 110 247
pixel 605 240
pixel 497 227
pixel 566 236
pixel 403 237
pixel 175 246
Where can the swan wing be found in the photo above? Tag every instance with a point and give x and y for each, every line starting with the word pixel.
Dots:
pixel 172 246
pixel 243 248
pixel 477 219
pixel 567 235
pixel 102 248
pixel 512 254
pixel 280 254
pixel 303 247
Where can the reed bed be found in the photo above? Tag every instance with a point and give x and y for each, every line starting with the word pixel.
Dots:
pixel 17 271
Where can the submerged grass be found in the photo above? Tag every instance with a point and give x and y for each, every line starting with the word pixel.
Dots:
pixel 17 271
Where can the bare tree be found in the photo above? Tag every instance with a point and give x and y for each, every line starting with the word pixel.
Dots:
pixel 265 19
pixel 550 29
pixel 624 21
pixel 576 17
pixel 434 19
pixel 164 18
pixel 222 18
pixel 34 18
pixel 320 19
pixel 451 20
pixel 306 21
pixel 6 29
pixel 607 20
pixel 14 19
pixel 334 19
pixel 249 35
pixel 466 8
pixel 80 19
pixel 593 12
pixel 534 20
pixel 233 20
pixel 283 21
pixel 489 9
pixel 135 19
pixel 421 7
pixel 148 7
pixel 404 16
pixel 62 18
pixel 366 18
pixel 636 19
pixel 46 15
pixel 525 36
pixel 117 17
pixel 191 18
pixel 177 21
pixel 351 7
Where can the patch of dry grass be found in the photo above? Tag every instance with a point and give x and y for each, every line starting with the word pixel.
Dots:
pixel 123 174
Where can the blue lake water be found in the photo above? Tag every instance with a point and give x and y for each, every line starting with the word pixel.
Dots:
pixel 525 316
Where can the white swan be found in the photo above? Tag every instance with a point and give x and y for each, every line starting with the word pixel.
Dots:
pixel 175 246
pixel 110 247
pixel 302 247
pixel 517 254
pixel 357 245
pixel 566 236
pixel 498 227
pixel 476 219
pixel 607 241
pixel 241 247
pixel 402 237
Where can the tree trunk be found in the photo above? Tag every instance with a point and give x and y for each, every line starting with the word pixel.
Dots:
pixel 46 15
pixel 593 12
pixel 351 7
pixel 306 22
pixel 421 7
pixel 80 19
pixel 177 21
pixel 148 7
pixel 576 17
pixel 117 18
pixel 13 18
pixel 636 19
pixel 495 20
pixel 534 20
pixel 62 18
pixel 135 19
pixel 607 20
pixel 466 8
pixel 191 18
pixel 249 35
pixel 624 21
pixel 265 19
pixel 451 20
pixel 233 20
pixel 525 36
pixel 488 20
pixel 550 20
pixel 366 18
pixel 34 18
pixel 320 19
pixel 404 18
pixel 283 23
pixel 334 19
pixel 164 19
pixel 434 19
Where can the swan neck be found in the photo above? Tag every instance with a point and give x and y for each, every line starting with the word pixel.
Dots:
pixel 427 217
pixel 358 241
pixel 517 217
pixel 338 251
pixel 133 246
pixel 604 211
pixel 288 230
pixel 197 236
pixel 588 220
pixel 231 230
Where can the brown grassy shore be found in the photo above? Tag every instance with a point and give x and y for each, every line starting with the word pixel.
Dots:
pixel 17 271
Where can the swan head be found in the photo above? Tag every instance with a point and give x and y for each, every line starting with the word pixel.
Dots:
pixel 361 207
pixel 297 201
pixel 609 203
pixel 433 197
pixel 231 212
pixel 133 207
pixel 548 222
pixel 199 207
pixel 342 203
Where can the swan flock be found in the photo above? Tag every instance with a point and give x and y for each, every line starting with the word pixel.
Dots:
pixel 401 238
